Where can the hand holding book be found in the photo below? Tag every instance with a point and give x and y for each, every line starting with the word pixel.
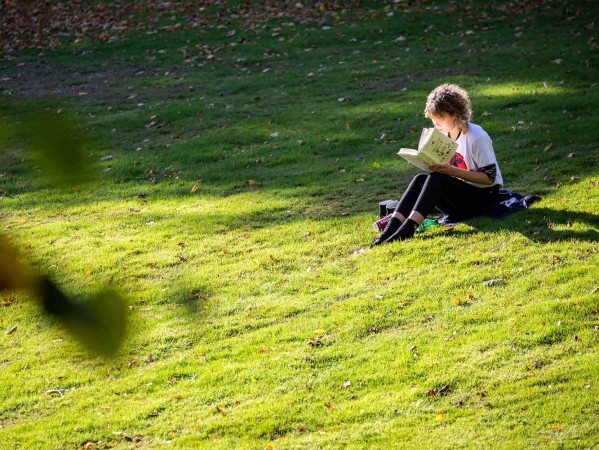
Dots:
pixel 447 169
pixel 434 148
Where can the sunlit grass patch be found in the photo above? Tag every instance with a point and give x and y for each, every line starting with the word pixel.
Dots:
pixel 233 207
pixel 517 90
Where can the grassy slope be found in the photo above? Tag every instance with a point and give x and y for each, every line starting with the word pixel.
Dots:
pixel 256 320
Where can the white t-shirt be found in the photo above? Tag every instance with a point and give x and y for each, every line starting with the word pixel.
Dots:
pixel 475 152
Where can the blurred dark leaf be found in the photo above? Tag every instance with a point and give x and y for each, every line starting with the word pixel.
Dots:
pixel 98 323
pixel 12 275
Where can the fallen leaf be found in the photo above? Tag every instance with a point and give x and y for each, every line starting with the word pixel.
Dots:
pixel 445 390
pixel 432 392
pixel 11 331
pixel 195 188
pixel 8 301
pixel 494 282
pixel 60 392
pixel 441 391
pixel 315 341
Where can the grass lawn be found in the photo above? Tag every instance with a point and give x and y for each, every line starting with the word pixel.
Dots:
pixel 239 156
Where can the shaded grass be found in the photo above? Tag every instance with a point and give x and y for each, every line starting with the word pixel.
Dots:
pixel 256 318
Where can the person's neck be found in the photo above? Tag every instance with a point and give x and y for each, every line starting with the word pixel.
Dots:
pixel 455 133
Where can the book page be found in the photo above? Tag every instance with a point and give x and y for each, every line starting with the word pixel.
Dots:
pixel 426 132
pixel 434 148
pixel 439 148
pixel 413 157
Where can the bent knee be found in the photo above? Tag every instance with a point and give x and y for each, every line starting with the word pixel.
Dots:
pixel 438 177
pixel 421 177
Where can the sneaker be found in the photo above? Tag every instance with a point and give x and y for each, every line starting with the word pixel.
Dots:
pixel 380 224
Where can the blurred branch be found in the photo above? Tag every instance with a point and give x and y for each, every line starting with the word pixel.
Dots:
pixel 99 323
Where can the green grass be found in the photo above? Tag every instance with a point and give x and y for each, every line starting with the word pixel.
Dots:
pixel 256 320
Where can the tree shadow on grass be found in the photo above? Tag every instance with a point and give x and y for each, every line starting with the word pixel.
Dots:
pixel 542 225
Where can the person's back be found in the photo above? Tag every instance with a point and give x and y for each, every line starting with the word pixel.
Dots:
pixel 476 150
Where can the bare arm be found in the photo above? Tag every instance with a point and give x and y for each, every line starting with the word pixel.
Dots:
pixel 466 175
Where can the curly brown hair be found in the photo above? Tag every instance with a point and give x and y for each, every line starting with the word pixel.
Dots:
pixel 449 99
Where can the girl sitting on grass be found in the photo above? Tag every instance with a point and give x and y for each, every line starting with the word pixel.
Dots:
pixel 464 186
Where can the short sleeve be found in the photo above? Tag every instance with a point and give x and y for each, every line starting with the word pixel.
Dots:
pixel 482 152
pixel 484 157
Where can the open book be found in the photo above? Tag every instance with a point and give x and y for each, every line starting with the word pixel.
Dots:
pixel 433 148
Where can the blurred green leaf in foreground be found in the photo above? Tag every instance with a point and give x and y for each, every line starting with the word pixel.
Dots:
pixel 58 148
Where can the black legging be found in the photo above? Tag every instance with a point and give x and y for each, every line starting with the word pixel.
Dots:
pixel 449 194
